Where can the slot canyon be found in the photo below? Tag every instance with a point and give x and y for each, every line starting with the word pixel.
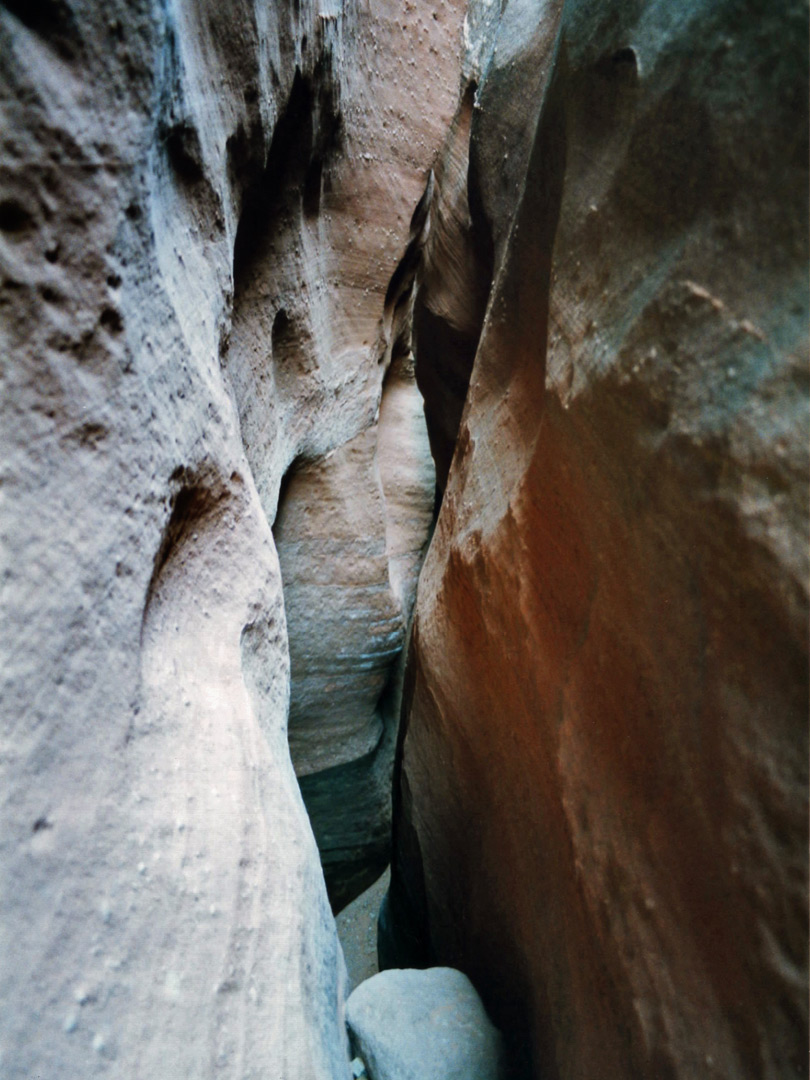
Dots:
pixel 405 466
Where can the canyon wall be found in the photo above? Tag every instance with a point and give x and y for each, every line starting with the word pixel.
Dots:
pixel 236 243
pixel 600 802
pixel 203 209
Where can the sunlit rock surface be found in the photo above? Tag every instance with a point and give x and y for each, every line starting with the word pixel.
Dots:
pixel 600 809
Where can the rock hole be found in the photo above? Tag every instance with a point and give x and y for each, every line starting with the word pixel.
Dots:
pixel 243 150
pixel 184 153
pixel 284 486
pixel 89 434
pixel 111 320
pixel 189 505
pixel 14 218
pixel 626 55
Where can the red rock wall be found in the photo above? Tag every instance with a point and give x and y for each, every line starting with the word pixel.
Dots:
pixel 602 780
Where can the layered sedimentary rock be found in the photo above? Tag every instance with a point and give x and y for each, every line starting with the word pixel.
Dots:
pixel 201 211
pixel 600 809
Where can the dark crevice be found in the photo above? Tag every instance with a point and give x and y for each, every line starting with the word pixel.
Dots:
pixel 402 279
pixel 243 149
pixel 14 217
pixel 341 802
pixel 195 497
pixel 284 487
pixel 282 337
pixel 445 349
pixel 179 142
pixel 445 358
pixel 292 179
pixel 288 155
pixel 184 152
pixel 52 21
pixel 312 188
pixel 402 928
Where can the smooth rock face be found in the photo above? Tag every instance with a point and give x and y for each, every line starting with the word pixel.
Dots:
pixel 162 905
pixel 600 808
pixel 351 531
pixel 318 328
pixel 422 1025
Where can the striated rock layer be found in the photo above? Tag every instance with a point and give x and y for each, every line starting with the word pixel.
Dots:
pixel 600 808
pixel 202 207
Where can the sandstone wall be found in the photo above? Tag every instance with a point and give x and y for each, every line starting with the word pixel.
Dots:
pixel 202 207
pixel 217 488
pixel 601 792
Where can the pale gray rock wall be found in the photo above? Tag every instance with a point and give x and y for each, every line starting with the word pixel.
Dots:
pixel 320 321
pixel 162 905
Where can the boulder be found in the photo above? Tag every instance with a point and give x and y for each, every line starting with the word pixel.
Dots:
pixel 422 1025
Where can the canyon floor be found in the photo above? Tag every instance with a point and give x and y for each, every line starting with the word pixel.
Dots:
pixel 357 932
